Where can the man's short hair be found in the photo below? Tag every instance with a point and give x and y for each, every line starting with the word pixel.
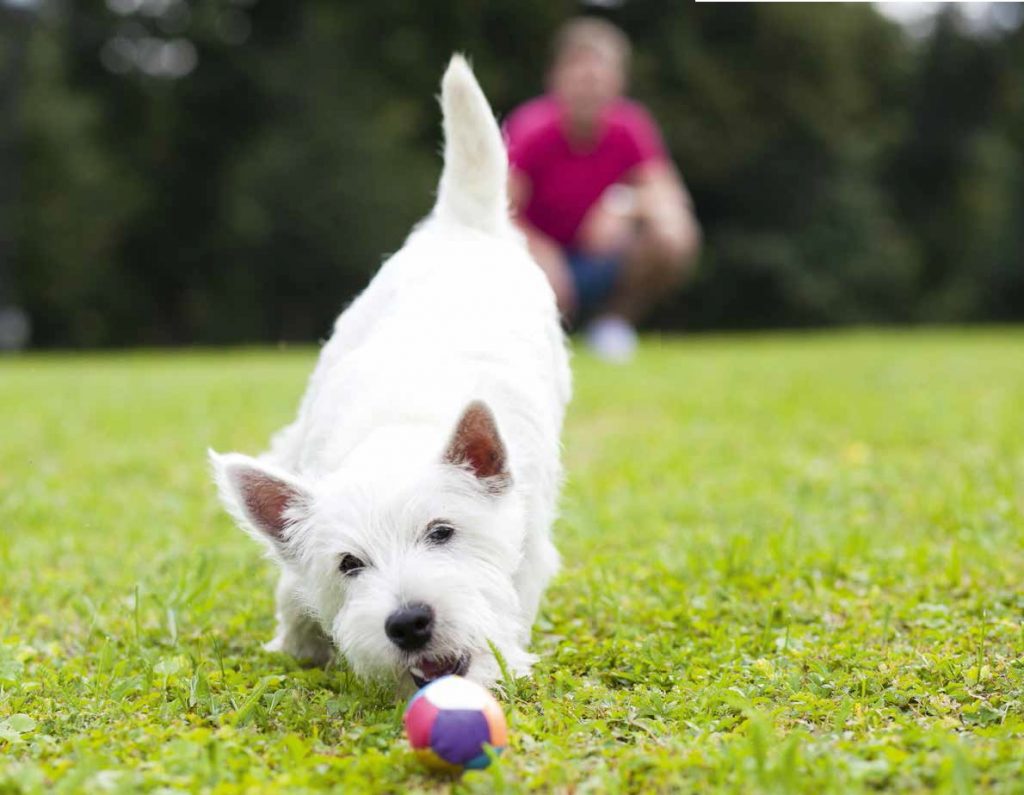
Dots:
pixel 594 33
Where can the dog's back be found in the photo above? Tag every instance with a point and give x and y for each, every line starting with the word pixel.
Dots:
pixel 460 312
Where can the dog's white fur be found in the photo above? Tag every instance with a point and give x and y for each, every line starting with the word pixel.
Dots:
pixel 460 323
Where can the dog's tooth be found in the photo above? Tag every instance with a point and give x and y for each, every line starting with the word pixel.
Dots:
pixel 417 672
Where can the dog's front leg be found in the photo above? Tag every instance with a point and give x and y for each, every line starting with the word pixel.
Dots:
pixel 298 633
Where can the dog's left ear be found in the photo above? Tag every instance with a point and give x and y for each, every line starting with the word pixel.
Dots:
pixel 265 501
pixel 477 446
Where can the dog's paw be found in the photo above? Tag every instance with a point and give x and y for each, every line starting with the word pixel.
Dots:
pixel 486 671
pixel 311 651
pixel 523 666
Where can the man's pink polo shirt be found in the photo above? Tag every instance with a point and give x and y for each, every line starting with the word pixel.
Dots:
pixel 565 182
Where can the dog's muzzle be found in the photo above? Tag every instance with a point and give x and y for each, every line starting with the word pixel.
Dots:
pixel 427 669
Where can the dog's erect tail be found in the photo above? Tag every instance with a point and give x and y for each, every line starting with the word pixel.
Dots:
pixel 473 189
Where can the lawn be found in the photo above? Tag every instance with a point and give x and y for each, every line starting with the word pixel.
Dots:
pixel 792 563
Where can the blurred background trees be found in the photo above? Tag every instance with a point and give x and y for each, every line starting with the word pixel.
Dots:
pixel 177 171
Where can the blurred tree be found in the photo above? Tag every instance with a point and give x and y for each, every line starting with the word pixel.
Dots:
pixel 13 25
pixel 780 118
pixel 76 203
pixel 956 173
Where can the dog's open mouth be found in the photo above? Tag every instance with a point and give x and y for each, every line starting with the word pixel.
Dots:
pixel 427 669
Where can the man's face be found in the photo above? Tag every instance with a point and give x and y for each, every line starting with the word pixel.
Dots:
pixel 586 79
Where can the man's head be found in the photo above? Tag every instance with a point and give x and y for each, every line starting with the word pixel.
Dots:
pixel 589 68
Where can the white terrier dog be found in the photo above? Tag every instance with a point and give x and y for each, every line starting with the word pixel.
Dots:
pixel 410 504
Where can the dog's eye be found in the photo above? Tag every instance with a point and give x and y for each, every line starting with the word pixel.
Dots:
pixel 351 565
pixel 440 533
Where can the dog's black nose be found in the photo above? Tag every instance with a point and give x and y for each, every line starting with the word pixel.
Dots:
pixel 410 627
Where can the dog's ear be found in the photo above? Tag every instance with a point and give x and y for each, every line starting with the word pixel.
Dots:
pixel 477 446
pixel 266 502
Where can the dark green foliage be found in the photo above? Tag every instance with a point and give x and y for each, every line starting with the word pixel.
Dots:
pixel 844 173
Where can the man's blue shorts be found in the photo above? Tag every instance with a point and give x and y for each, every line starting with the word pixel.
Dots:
pixel 595 279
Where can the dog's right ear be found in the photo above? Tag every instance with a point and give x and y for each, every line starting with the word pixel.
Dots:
pixel 265 501
pixel 476 446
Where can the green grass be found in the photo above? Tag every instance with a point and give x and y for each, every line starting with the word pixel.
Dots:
pixel 792 563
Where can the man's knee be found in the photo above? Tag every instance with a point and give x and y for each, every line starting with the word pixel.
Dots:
pixel 565 295
pixel 673 252
pixel 605 231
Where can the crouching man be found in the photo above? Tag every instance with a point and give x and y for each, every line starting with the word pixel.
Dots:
pixel 604 209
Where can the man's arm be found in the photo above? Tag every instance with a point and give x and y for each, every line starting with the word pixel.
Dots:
pixel 664 207
pixel 519 190
pixel 545 252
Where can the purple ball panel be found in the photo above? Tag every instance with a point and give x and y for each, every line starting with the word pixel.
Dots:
pixel 458 735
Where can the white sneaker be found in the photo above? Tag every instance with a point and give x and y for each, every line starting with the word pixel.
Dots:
pixel 612 338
